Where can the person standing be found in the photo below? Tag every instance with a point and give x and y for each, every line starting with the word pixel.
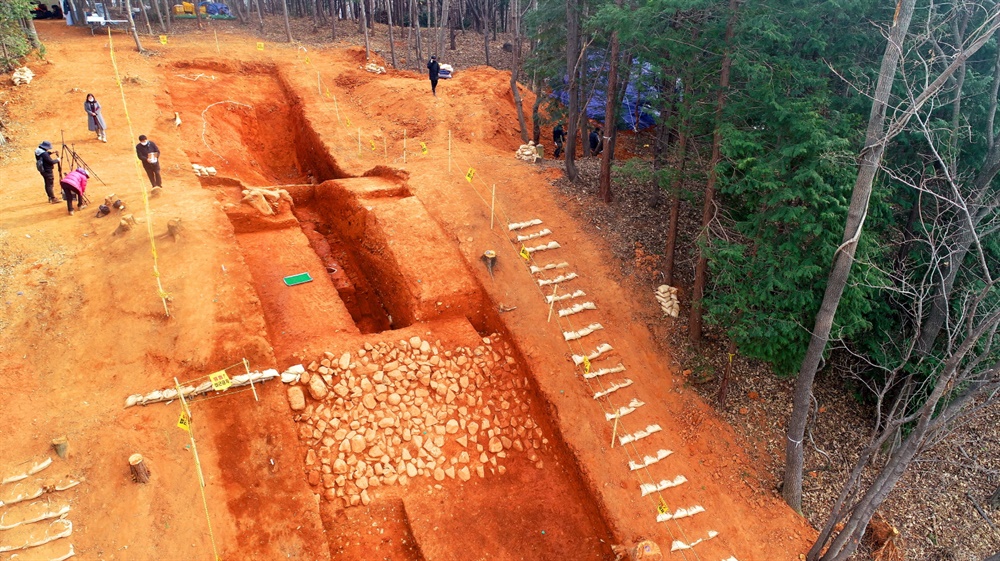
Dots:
pixel 95 120
pixel 44 162
pixel 596 144
pixel 149 154
pixel 73 187
pixel 558 137
pixel 433 71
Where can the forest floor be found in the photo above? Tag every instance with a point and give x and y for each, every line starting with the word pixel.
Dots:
pixel 933 505
pixel 442 417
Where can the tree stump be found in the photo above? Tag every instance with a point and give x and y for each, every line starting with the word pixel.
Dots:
pixel 140 473
pixel 61 446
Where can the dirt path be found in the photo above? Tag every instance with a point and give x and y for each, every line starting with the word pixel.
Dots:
pixel 84 326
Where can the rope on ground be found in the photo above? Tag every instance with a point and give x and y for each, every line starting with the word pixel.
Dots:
pixel 186 414
pixel 145 193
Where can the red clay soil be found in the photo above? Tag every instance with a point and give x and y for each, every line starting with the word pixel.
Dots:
pixel 83 326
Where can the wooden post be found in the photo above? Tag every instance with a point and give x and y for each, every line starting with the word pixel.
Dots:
pixel 140 473
pixel 552 304
pixel 246 365
pixel 493 202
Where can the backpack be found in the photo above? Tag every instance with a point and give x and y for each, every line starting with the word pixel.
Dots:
pixel 39 164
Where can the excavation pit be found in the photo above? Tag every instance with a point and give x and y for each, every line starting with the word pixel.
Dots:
pixel 242 119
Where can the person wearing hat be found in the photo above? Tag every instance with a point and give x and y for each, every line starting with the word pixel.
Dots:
pixel 45 160
pixel 149 154
pixel 73 187
pixel 433 70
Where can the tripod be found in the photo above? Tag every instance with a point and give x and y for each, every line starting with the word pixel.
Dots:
pixel 76 161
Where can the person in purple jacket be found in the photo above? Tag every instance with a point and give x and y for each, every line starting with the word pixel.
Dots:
pixel 73 187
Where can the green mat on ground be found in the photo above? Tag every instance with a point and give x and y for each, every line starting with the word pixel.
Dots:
pixel 298 279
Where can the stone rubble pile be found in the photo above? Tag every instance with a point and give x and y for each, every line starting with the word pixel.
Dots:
pixel 527 152
pixel 667 297
pixel 394 412
pixel 203 171
pixel 22 75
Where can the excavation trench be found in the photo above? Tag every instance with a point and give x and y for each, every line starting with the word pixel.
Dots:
pixel 384 272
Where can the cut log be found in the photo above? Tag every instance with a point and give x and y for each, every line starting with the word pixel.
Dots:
pixel 140 473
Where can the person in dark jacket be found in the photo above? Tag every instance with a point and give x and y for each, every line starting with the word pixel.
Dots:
pixel 57 12
pixel 433 70
pixel 45 160
pixel 73 187
pixel 558 137
pixel 149 154
pixel 596 144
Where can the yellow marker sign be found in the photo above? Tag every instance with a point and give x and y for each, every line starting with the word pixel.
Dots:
pixel 348 121
pixel 586 365
pixel 184 422
pixel 163 39
pixel 220 380
pixel 373 145
pixel 307 60
pixel 470 174
pixel 662 508
pixel 260 46
pixel 328 93
pixel 525 253
pixel 423 148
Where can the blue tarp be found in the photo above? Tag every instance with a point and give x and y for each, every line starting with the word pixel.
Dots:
pixel 636 110
pixel 215 8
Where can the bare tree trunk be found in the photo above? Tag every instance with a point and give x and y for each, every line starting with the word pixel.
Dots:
pixel 708 206
pixel 260 15
pixel 516 73
pixel 334 16
pixel 416 30
pixel 409 34
pixel 169 16
pixel 536 118
pixel 29 25
pixel 675 206
pixel 573 87
pixel 392 42
pixel 288 25
pixel 145 17
pixel 610 118
pixel 197 14
pixel 159 15
pixel 871 155
pixel 442 21
pixel 486 35
pixel 364 27
pixel 131 26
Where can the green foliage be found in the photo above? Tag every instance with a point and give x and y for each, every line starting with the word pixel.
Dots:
pixel 12 35
pixel 786 179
